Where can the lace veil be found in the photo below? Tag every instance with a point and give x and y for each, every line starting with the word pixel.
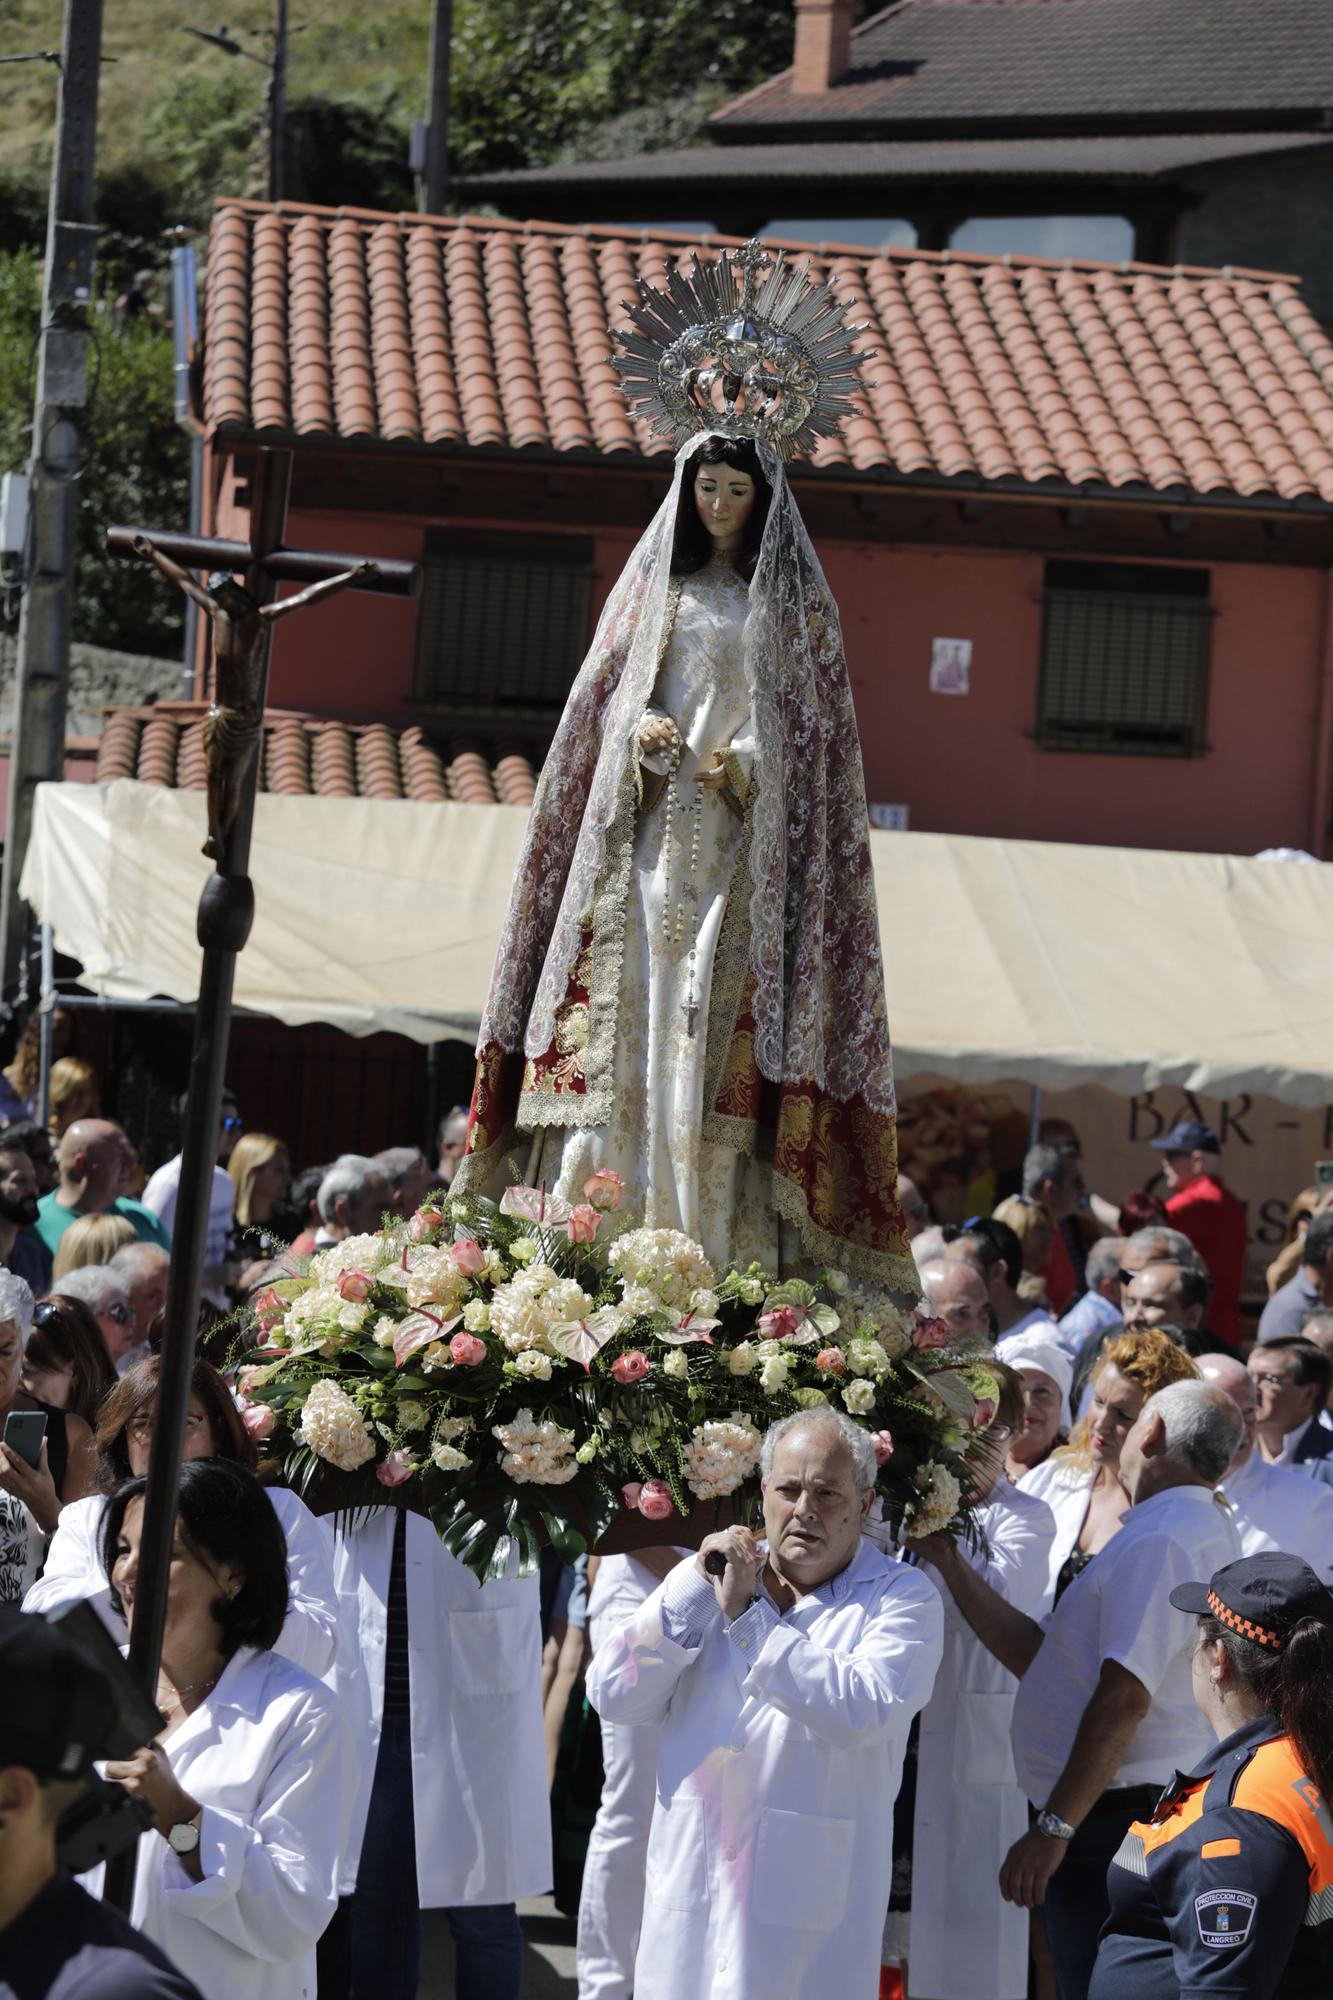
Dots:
pixel 818 1000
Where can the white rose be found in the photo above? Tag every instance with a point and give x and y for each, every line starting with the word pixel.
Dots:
pixel 477 1316
pixel 742 1360
pixel 859 1397
pixel 523 1250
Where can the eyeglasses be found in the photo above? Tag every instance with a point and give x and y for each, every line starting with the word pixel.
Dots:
pixel 120 1314
pixel 44 1310
pixel 142 1425
pixel 1125 1277
pixel 999 1433
pixel 231 1123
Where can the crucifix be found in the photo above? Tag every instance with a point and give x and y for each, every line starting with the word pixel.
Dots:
pixel 242 615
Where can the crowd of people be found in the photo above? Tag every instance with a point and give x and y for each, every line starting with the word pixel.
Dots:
pixel 1081 1750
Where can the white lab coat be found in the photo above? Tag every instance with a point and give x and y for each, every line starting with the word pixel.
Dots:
pixel 779 1759
pixel 1277 1507
pixel 74 1575
pixel 966 1942
pixel 1066 1489
pixel 482 1815
pixel 266 1758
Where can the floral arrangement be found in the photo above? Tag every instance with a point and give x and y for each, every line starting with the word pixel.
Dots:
pixel 530 1368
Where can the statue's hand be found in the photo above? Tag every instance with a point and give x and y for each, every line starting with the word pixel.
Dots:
pixel 659 737
pixel 713 777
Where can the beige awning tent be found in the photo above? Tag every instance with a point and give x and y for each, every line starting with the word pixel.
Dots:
pixel 1063 965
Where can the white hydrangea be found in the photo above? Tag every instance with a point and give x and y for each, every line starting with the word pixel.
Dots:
pixel 332 1425
pixel 859 1396
pixel 721 1456
pixel 524 1311
pixel 876 1317
pixel 940 1499
pixel 536 1454
pixel 352 1253
pixel 664 1263
pixel 431 1278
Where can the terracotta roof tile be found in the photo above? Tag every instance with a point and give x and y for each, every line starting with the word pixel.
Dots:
pixel 307 754
pixel 476 332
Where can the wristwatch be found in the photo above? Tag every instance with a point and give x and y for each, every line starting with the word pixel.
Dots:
pixel 1054 1827
pixel 184 1837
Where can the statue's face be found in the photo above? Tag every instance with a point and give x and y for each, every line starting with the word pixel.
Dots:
pixel 724 497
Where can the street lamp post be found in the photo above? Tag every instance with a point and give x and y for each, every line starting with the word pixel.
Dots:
pixel 276 65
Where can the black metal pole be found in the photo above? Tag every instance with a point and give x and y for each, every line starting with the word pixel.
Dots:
pixel 277 108
pixel 226 911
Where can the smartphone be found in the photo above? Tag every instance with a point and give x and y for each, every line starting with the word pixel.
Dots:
pixel 24 1431
pixel 1323 1173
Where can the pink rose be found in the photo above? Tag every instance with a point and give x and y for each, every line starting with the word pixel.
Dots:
pixel 630 1492
pixel 425 1223
pixel 396 1468
pixel 655 1502
pixel 780 1324
pixel 247 1382
pixel 584 1223
pixel 631 1367
pixel 467 1350
pixel 354 1286
pixel 604 1189
pixel 928 1333
pixel 269 1310
pixel 259 1420
pixel 468 1256
pixel 831 1360
pixel 883 1443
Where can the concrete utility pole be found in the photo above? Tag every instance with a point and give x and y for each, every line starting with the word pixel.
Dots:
pixel 58 444
pixel 433 183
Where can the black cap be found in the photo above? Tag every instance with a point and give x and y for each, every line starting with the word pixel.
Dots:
pixel 57 1713
pixel 1190 1136
pixel 1260 1597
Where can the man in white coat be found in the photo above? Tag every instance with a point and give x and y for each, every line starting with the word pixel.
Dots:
pixel 785 1688
pixel 1276 1506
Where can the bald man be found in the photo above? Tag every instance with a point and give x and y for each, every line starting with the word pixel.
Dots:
pixel 1276 1507
pixel 956 1293
pixel 93 1157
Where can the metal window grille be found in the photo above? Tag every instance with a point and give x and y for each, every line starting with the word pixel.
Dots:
pixel 1124 660
pixel 504 623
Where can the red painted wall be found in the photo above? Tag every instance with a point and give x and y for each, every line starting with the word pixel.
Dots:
pixel 960 764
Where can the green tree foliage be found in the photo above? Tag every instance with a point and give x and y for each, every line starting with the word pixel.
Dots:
pixel 135 469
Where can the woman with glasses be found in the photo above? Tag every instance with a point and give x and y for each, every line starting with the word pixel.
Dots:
pixel 35 1485
pixel 956 1943
pixel 65 1362
pixel 109 1303
pixel 213 1429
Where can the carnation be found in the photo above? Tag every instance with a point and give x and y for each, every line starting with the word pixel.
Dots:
pixel 721 1456
pixel 940 1499
pixel 536 1454
pixel 663 1262
pixel 859 1396
pixel 332 1426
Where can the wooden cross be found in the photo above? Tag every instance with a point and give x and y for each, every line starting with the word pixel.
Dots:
pixel 242 614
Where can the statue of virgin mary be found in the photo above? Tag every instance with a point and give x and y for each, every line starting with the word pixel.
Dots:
pixel 689 989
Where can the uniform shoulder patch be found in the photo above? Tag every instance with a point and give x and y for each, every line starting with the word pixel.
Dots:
pixel 1224 1917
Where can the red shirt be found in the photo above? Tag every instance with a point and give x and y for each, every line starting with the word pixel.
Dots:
pixel 1214 1220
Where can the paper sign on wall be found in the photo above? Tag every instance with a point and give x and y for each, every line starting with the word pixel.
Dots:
pixel 892 819
pixel 950 666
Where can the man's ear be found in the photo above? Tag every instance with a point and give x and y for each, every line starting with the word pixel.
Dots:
pixel 867 1500
pixel 1153 1442
pixel 18 1789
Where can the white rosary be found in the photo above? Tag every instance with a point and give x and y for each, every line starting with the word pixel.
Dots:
pixel 688 891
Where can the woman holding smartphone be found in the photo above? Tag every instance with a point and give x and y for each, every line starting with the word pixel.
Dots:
pixel 46 1455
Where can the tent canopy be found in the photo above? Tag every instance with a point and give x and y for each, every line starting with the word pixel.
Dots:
pixel 1064 965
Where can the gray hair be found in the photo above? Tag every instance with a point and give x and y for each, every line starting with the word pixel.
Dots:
pixel 928 1247
pixel 96 1284
pixel 1203 1426
pixel 1103 1260
pixel 397 1161
pixel 1167 1246
pixel 346 1180
pixel 131 1260
pixel 1045 1163
pixel 16 1304
pixel 854 1436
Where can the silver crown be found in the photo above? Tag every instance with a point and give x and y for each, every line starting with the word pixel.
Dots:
pixel 744 346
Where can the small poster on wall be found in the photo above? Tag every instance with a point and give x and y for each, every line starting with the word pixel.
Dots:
pixel 950 666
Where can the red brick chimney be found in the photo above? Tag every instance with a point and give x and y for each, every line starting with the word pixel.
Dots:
pixel 823 33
